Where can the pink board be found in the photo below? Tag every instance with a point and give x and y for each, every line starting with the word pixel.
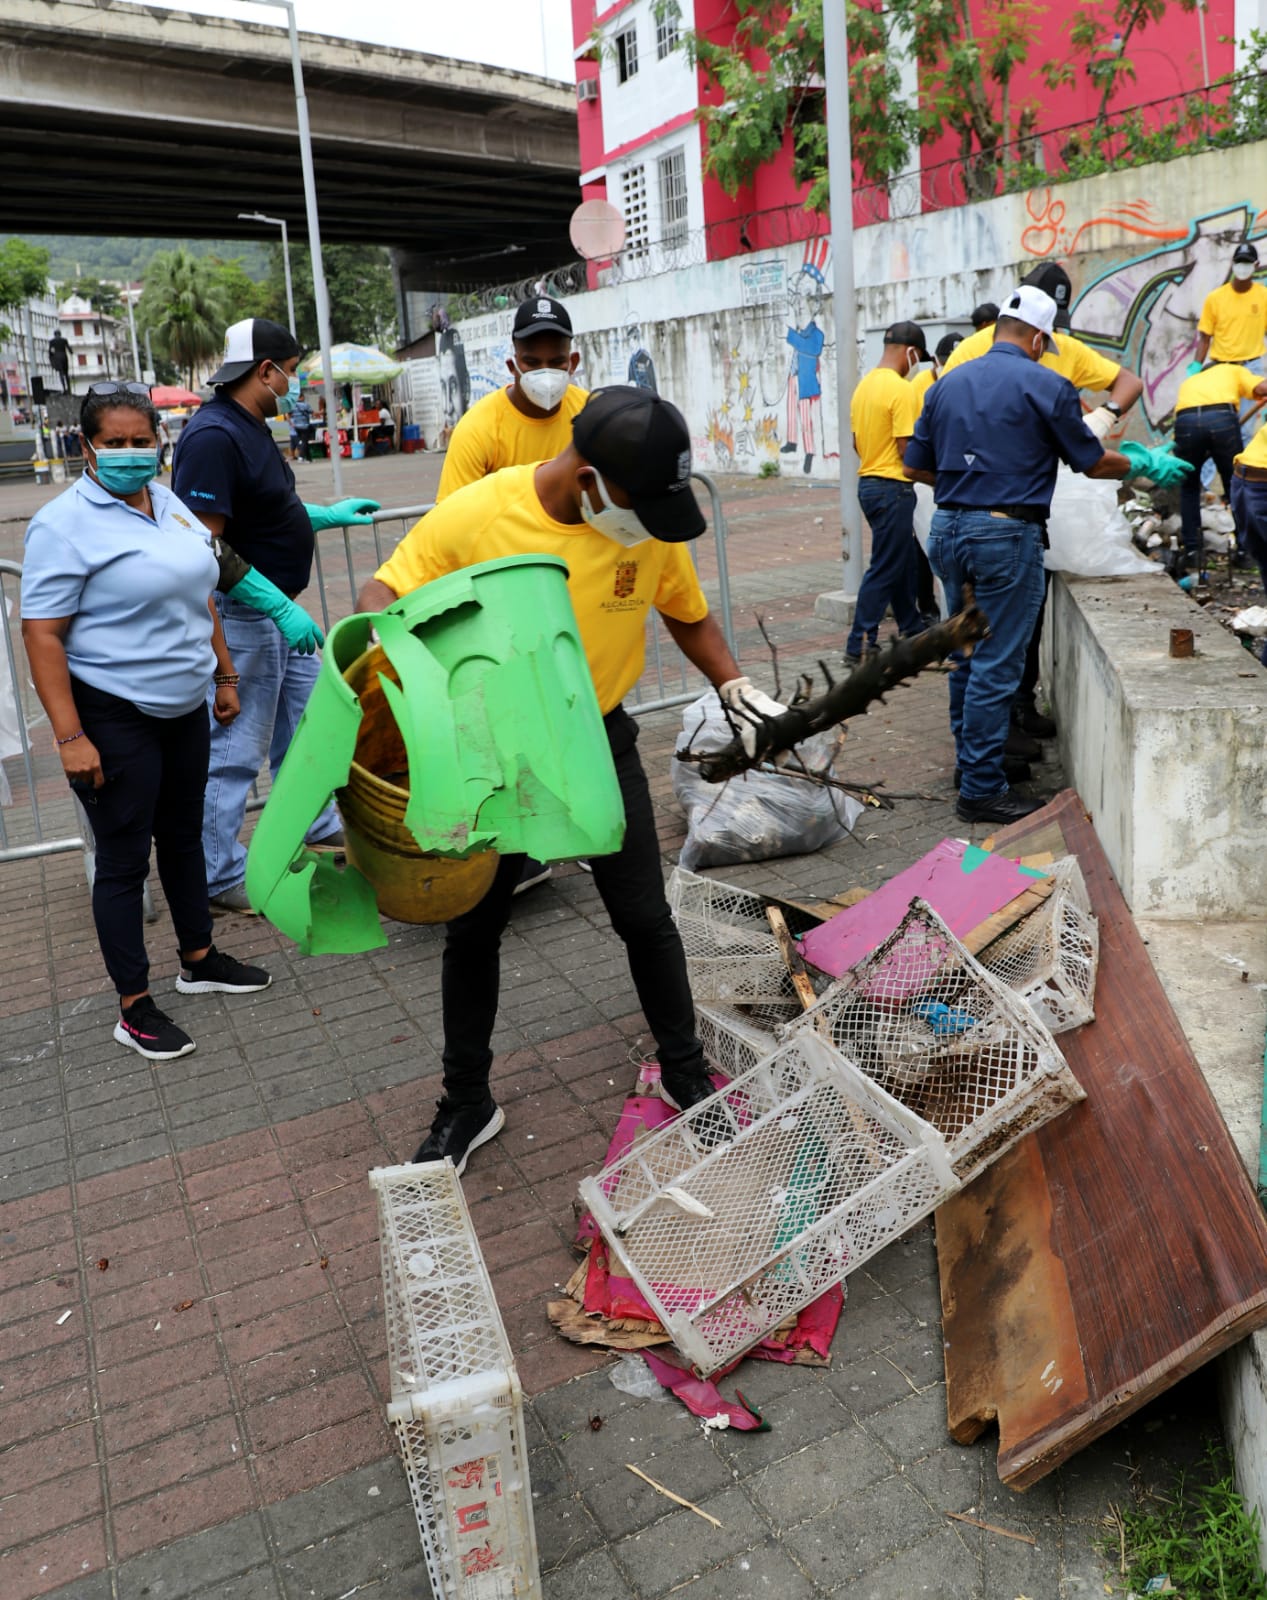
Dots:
pixel 963 883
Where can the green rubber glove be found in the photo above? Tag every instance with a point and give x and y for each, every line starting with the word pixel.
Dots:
pixel 1164 469
pixel 342 514
pixel 1192 369
pixel 293 622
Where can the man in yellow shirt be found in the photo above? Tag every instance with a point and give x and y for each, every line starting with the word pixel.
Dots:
pixel 882 415
pixel 1207 429
pixel 1086 368
pixel 616 505
pixel 530 419
pixel 1249 504
pixel 1233 325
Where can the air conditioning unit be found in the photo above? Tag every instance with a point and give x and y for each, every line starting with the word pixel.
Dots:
pixel 587 89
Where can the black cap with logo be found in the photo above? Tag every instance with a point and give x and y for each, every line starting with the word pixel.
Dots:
pixel 541 314
pixel 908 333
pixel 1052 279
pixel 640 443
pixel 1245 252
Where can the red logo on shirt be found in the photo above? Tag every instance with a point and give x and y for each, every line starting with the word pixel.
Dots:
pixel 626 579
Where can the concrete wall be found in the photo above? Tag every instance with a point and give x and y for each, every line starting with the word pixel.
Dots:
pixel 1169 756
pixel 1143 247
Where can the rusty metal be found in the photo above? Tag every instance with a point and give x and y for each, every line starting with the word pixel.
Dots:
pixel 1182 644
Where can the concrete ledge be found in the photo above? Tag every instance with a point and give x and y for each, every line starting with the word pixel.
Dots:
pixel 836 606
pixel 1170 756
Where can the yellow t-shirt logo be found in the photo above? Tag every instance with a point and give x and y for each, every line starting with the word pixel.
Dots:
pixel 626 579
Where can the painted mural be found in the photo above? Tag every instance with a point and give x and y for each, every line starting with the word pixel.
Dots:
pixel 1144 310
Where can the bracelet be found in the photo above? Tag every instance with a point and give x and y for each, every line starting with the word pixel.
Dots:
pixel 69 739
pixel 227 680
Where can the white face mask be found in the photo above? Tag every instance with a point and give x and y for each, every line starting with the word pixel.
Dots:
pixel 613 522
pixel 913 361
pixel 1242 270
pixel 545 386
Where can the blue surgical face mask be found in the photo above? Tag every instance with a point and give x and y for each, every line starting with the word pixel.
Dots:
pixel 286 402
pixel 125 471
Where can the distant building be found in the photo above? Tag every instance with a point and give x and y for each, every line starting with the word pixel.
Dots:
pixel 25 351
pixel 100 347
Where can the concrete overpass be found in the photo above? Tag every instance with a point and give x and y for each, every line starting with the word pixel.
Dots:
pixel 122 119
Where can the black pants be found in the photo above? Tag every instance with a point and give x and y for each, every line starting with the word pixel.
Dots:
pixel 155 770
pixel 303 445
pixel 1203 433
pixel 631 884
pixel 1029 678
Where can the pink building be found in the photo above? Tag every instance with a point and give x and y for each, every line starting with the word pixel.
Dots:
pixel 642 147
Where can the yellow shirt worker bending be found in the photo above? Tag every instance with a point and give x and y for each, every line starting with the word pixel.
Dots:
pixel 1207 429
pixel 616 505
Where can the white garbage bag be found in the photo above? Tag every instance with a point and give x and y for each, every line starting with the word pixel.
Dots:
pixel 1089 535
pixel 924 509
pixel 759 815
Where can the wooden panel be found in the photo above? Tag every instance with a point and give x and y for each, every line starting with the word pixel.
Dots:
pixel 1118 1248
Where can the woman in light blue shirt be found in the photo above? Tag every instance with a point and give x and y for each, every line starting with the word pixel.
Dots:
pixel 123 644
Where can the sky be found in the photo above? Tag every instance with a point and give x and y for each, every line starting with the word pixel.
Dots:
pixel 531 35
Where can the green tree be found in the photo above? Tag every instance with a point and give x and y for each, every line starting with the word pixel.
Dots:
pixel 102 297
pixel 183 309
pixel 23 275
pixel 1100 31
pixel 965 70
pixel 240 293
pixel 362 298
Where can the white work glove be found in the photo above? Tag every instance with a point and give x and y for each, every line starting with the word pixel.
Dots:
pixel 747 706
pixel 1101 421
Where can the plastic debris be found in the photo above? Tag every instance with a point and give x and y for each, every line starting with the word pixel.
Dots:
pixel 631 1375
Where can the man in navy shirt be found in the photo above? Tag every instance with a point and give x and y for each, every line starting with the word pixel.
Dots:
pixel 229 470
pixel 989 439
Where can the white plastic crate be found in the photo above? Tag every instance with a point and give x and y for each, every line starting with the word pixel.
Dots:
pixel 732 1042
pixel 740 1212
pixel 1050 958
pixel 929 1024
pixel 456 1405
pixel 732 956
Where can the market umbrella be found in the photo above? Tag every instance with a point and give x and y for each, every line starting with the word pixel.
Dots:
pixel 356 364
pixel 173 394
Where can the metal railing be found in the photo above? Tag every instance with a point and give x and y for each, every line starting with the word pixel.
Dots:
pixel 35 823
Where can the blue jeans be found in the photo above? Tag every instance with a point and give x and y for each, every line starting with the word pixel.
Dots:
pixel 276 683
pixel 1003 561
pixel 1249 508
pixel 1203 433
pixel 1258 366
pixel 893 576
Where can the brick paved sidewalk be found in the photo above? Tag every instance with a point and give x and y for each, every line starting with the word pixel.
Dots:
pixel 191 1334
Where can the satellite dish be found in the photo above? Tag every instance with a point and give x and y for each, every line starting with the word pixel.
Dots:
pixel 597 230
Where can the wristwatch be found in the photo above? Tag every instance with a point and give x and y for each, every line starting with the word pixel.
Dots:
pixel 1112 405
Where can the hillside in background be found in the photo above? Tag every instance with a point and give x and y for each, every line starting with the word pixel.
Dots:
pixel 83 256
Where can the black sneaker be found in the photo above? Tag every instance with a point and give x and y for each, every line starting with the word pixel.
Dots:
pixel 151 1032
pixel 682 1090
pixel 217 973
pixel 1031 719
pixel 1021 745
pixel 534 872
pixel 1006 807
pixel 457 1130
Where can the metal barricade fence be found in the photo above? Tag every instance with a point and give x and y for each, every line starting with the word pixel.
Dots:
pixel 35 823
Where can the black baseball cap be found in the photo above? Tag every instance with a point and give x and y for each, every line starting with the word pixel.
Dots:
pixel 946 345
pixel 1052 279
pixel 640 442
pixel 909 333
pixel 249 342
pixel 541 315
pixel 1245 252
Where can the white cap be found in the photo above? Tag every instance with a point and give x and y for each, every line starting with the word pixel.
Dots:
pixel 1034 306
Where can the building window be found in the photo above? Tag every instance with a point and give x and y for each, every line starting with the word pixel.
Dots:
pixel 666 21
pixel 626 54
pixel 673 197
pixel 79 330
pixel 633 184
pixel 82 360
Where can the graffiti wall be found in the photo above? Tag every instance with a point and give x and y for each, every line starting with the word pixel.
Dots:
pixel 746 347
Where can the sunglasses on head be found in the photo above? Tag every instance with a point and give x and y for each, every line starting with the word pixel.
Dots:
pixel 119 388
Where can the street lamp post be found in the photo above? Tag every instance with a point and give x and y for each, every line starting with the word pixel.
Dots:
pixel 844 305
pixel 319 292
pixel 278 222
